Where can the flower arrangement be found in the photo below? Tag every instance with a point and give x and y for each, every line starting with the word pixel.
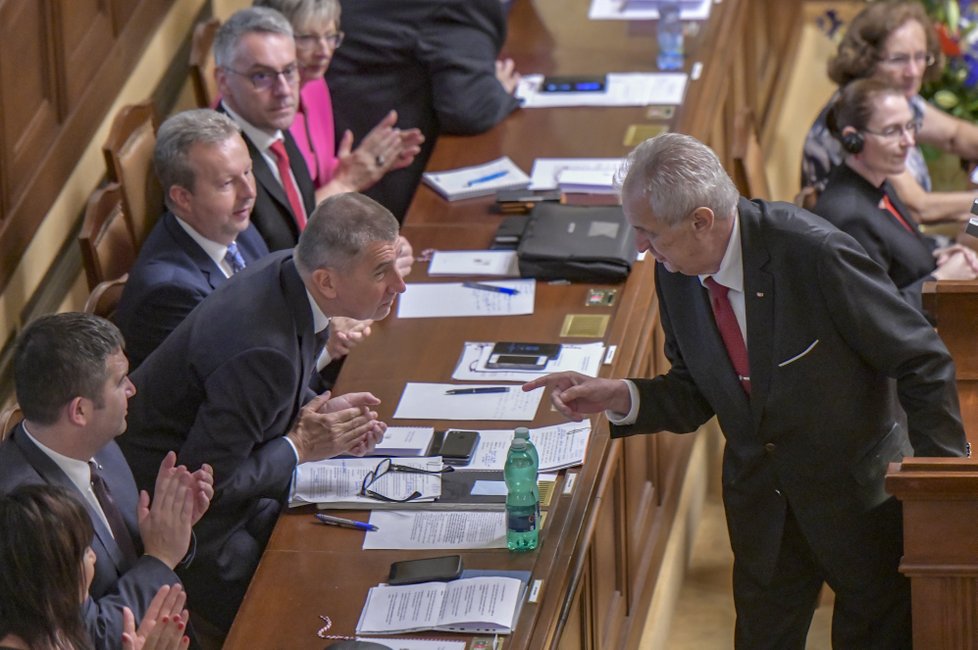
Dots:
pixel 956 90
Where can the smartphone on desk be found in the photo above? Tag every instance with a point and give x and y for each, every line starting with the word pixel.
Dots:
pixel 430 569
pixel 458 446
pixel 521 356
pixel 573 84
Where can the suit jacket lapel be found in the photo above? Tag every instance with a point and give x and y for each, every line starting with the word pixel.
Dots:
pixel 298 303
pixel 214 276
pixel 759 302
pixel 52 474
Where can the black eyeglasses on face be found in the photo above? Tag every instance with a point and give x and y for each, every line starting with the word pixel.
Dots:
pixel 385 466
pixel 265 78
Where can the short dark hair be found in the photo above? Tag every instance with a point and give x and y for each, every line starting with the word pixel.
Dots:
pixel 340 228
pixel 59 357
pixel 861 49
pixel 44 531
pixel 856 103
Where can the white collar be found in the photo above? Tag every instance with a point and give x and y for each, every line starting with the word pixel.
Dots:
pixel 216 251
pixel 259 137
pixel 320 320
pixel 77 471
pixel 731 271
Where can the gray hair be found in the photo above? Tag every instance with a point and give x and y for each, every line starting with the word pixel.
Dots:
pixel 677 174
pixel 177 135
pixel 59 357
pixel 246 21
pixel 340 228
pixel 303 12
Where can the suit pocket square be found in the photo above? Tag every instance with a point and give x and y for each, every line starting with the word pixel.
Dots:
pixel 811 346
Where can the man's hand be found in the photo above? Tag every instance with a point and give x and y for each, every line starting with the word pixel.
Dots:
pixel 507 75
pixel 165 527
pixel 345 334
pixel 203 490
pixel 577 396
pixel 405 256
pixel 328 426
pixel 162 628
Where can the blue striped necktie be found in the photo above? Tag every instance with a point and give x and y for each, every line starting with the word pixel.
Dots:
pixel 234 259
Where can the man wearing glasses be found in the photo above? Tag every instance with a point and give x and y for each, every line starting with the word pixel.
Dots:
pixel 258 76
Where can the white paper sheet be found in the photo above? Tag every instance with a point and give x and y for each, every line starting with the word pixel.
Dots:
pixel 479 180
pixel 416 644
pixel 547 171
pixel 444 299
pixel 617 10
pixel 584 358
pixel 502 263
pixel 558 446
pixel 337 480
pixel 623 89
pixel 421 401
pixel 424 529
pixel 404 441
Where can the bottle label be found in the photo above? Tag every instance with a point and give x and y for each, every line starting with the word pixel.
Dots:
pixel 521 523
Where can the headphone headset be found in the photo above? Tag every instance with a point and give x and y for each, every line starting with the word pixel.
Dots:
pixel 853 142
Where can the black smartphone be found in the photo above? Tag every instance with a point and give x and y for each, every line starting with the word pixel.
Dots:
pixel 573 84
pixel 430 569
pixel 458 446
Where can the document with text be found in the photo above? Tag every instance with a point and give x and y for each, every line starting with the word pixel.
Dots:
pixel 423 401
pixel 444 299
pixel 473 605
pixel 425 529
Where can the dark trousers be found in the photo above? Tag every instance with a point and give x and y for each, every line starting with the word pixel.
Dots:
pixel 871 615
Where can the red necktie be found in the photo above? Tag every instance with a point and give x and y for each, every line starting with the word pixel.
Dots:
pixel 291 191
pixel 889 207
pixel 733 340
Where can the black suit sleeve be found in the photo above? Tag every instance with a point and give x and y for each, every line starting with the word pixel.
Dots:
pixel 162 307
pixel 459 46
pixel 897 341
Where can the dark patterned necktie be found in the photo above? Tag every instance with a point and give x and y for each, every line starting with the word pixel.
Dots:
pixel 234 259
pixel 119 531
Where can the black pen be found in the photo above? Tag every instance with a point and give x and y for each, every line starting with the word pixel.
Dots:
pixel 477 391
pixel 330 520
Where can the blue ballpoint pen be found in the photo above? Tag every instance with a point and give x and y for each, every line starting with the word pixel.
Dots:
pixel 490 287
pixel 330 520
pixel 487 178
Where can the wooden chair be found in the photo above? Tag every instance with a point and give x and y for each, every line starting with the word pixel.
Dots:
pixel 9 418
pixel 748 160
pixel 105 297
pixel 129 160
pixel 202 63
pixel 107 246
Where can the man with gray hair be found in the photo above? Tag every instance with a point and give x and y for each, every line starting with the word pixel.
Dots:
pixel 203 239
pixel 258 77
pixel 229 387
pixel 782 327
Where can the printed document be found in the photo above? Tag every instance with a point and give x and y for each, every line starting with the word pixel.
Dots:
pixel 502 263
pixel 585 358
pixel 441 299
pixel 337 481
pixel 547 172
pixel 423 401
pixel 559 446
pixel 623 89
pixel 443 529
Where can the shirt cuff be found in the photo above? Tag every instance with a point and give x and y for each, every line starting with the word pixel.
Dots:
pixel 323 360
pixel 625 419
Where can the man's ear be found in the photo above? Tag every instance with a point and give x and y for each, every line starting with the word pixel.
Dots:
pixel 180 197
pixel 325 280
pixel 702 220
pixel 79 409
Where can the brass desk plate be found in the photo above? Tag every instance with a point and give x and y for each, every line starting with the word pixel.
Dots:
pixel 600 297
pixel 639 133
pixel 590 326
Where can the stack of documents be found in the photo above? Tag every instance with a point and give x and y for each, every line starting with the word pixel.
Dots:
pixel 486 605
pixel 405 441
pixel 480 180
pixel 336 482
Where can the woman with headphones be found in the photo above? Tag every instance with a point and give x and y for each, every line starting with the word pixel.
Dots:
pixel 877 128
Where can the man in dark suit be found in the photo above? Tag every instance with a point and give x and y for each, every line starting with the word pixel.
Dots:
pixel 71 379
pixel 228 387
pixel 809 407
pixel 434 62
pixel 205 238
pixel 258 77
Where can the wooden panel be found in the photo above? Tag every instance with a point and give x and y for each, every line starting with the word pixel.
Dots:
pixel 27 93
pixel 86 37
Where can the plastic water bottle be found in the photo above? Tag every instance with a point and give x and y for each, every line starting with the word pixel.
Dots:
pixel 523 432
pixel 522 499
pixel 670 36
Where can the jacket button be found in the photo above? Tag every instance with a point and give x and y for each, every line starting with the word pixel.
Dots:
pixel 769 447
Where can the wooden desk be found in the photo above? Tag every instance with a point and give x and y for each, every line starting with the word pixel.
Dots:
pixel 602 548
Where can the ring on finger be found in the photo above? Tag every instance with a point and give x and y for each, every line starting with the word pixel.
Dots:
pixel 379 159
